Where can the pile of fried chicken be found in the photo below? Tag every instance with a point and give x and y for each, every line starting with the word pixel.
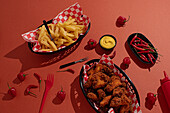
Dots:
pixel 107 90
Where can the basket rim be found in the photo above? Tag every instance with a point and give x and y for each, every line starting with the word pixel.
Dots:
pixel 47 53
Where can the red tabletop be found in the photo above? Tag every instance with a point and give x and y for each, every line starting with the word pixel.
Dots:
pixel 150 18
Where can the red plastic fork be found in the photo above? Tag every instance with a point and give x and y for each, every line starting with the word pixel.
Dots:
pixel 48 84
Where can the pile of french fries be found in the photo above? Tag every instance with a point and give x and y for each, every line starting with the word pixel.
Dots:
pixel 63 34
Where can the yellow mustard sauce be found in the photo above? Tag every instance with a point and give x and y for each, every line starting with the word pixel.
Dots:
pixel 107 42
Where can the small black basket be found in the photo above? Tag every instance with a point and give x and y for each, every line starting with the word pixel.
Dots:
pixel 146 40
pixel 30 45
pixel 130 84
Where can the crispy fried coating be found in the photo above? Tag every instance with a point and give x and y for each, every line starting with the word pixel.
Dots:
pixel 126 109
pixel 101 94
pixel 90 72
pixel 101 68
pixel 118 101
pixel 104 69
pixel 95 69
pixel 112 85
pixel 115 77
pixel 100 80
pixel 124 84
pixel 92 96
pixel 105 101
pixel 115 102
pixel 88 84
pixel 125 100
pixel 97 80
pixel 119 91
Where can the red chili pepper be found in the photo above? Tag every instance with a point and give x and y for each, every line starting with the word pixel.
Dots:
pixel 120 22
pixel 126 62
pixel 133 39
pixel 142 41
pixel 69 70
pixel 29 88
pixel 38 78
pixel 151 98
pixel 148 48
pixel 113 55
pixel 138 48
pixel 143 57
pixel 12 91
pixel 92 43
pixel 61 94
pixel 136 41
pixel 150 58
pixel 143 45
pixel 21 76
pixel 148 51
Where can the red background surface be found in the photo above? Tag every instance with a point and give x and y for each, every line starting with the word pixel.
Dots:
pixel 150 18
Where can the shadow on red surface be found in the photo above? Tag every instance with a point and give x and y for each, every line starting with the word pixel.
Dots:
pixel 136 60
pixel 7 97
pixel 31 60
pixel 100 51
pixel 162 101
pixel 78 100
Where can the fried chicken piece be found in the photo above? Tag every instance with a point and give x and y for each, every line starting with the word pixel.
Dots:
pixel 126 109
pixel 125 100
pixel 112 85
pixel 90 72
pixel 99 68
pixel 124 84
pixel 100 80
pixel 108 70
pixel 115 102
pixel 92 96
pixel 114 77
pixel 101 94
pixel 90 79
pixel 95 69
pixel 119 91
pixel 104 69
pixel 97 80
pixel 105 101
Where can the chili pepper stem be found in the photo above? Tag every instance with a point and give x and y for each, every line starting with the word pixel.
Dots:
pixel 61 89
pixel 32 93
pixel 40 85
pixel 25 75
pixel 127 19
pixel 8 86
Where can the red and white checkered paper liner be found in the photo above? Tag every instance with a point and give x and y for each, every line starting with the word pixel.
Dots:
pixel 106 60
pixel 75 11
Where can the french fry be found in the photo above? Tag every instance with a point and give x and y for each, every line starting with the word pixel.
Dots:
pixel 76 33
pixel 46 49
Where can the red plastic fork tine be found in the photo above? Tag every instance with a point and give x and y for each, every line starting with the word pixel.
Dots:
pixel 52 78
pixel 48 78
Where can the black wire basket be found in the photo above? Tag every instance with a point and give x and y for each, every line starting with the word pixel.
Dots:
pixel 30 45
pixel 129 84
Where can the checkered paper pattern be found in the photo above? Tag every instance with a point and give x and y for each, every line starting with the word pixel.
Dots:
pixel 75 11
pixel 106 60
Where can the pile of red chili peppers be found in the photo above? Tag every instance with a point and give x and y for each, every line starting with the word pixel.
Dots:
pixel 143 49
